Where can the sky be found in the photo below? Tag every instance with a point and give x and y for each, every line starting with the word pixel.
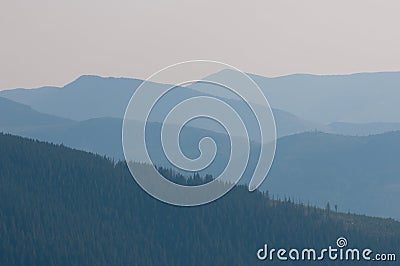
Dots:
pixel 51 42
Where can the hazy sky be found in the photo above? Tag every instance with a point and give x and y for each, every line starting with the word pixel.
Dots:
pixel 53 42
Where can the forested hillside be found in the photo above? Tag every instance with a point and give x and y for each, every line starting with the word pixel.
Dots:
pixel 66 207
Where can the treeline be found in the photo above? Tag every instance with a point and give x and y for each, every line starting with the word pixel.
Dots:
pixel 60 206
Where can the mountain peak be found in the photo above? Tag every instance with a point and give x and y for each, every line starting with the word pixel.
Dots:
pixel 86 79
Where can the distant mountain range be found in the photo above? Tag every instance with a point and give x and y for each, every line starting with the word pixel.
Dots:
pixel 359 174
pixel 87 114
pixel 356 98
pixel 300 102
pixel 91 97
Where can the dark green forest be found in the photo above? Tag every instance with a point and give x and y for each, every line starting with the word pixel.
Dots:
pixel 60 206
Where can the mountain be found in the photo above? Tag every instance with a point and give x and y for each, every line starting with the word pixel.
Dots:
pixel 345 104
pixel 16 116
pixel 104 136
pixel 289 124
pixel 108 97
pixel 67 207
pixel 91 97
pixel 356 173
pixel 356 98
pixel 101 136
pixel 85 98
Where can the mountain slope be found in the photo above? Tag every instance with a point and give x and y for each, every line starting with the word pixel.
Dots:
pixel 67 207
pixel 364 129
pixel 288 124
pixel 17 116
pixel 357 173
